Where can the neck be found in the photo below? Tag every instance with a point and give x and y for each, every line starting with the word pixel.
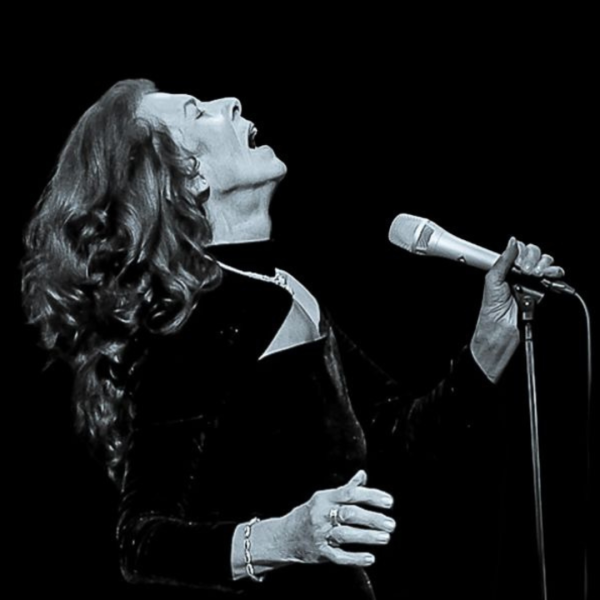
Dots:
pixel 259 256
pixel 240 216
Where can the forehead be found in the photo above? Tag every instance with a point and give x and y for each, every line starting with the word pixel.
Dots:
pixel 167 107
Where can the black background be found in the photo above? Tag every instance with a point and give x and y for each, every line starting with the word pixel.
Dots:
pixel 488 141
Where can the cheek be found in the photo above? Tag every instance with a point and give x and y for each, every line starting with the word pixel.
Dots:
pixel 222 142
pixel 221 173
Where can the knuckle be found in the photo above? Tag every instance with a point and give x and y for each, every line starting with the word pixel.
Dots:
pixel 342 534
pixel 331 539
pixel 346 513
pixel 320 500
pixel 332 536
pixel 346 494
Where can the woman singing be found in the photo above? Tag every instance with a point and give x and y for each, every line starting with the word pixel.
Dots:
pixel 231 412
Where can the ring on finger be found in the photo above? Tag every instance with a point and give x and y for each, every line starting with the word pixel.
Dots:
pixel 329 539
pixel 334 517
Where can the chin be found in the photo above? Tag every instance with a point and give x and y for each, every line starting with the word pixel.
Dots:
pixel 281 168
pixel 273 170
pixel 276 172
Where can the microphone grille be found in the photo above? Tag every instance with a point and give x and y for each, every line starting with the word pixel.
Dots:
pixel 405 231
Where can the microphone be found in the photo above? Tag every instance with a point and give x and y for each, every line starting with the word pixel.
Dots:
pixel 421 236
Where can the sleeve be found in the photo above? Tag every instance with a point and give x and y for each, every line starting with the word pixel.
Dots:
pixel 161 539
pixel 396 420
pixel 238 566
pixel 170 528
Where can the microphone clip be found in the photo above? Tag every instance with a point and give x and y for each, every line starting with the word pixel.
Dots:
pixel 527 298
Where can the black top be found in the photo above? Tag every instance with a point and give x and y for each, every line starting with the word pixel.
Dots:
pixel 221 436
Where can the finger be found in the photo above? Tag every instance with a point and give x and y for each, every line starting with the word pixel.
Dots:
pixel 545 261
pixel 505 261
pixel 360 478
pixel 349 559
pixel 355 515
pixel 522 248
pixel 531 258
pixel 555 272
pixel 344 534
pixel 362 495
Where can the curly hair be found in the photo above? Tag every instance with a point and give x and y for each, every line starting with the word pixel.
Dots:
pixel 114 252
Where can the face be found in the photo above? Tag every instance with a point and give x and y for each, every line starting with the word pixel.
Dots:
pixel 221 139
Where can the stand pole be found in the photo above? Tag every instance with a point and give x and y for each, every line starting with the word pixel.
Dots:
pixel 528 299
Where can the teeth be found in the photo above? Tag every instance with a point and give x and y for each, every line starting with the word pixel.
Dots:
pixel 252 136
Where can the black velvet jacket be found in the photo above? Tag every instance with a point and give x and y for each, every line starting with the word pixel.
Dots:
pixel 220 436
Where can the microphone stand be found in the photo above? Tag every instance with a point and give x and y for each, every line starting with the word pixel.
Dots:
pixel 527 299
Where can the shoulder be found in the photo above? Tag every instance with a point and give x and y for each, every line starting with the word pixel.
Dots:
pixel 191 371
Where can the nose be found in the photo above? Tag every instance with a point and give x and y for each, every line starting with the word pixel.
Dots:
pixel 232 107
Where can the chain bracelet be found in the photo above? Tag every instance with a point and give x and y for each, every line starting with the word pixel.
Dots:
pixel 247 552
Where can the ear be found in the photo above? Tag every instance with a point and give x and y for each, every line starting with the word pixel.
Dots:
pixel 199 183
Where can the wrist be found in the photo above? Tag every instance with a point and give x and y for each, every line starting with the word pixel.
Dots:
pixel 271 543
pixel 492 346
pixel 269 547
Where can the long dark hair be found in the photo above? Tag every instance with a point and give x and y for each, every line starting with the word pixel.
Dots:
pixel 113 252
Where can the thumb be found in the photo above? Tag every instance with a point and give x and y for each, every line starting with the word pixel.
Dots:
pixel 359 479
pixel 505 261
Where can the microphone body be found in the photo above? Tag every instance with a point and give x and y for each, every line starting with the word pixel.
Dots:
pixel 424 237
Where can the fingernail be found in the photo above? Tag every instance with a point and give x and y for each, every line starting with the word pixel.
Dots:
pixel 369 560
pixel 358 475
pixel 388 501
pixel 390 524
pixel 383 537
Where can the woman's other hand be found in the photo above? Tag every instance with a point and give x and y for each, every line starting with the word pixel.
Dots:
pixel 316 531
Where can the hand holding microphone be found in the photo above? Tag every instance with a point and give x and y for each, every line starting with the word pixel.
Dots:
pixel 496 334
pixel 423 237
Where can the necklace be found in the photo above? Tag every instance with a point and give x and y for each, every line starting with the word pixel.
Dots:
pixel 278 279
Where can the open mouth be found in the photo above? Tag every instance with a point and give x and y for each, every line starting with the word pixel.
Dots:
pixel 252 131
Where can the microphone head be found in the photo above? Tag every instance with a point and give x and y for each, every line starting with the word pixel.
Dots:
pixel 425 238
pixel 406 230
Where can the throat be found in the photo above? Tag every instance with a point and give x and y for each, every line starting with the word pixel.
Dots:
pixel 240 214
pixel 259 256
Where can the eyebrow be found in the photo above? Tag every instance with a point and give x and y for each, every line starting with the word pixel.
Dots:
pixel 187 103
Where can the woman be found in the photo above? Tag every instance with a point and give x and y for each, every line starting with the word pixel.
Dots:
pixel 231 412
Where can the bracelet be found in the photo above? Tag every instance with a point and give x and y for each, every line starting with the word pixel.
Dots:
pixel 247 553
